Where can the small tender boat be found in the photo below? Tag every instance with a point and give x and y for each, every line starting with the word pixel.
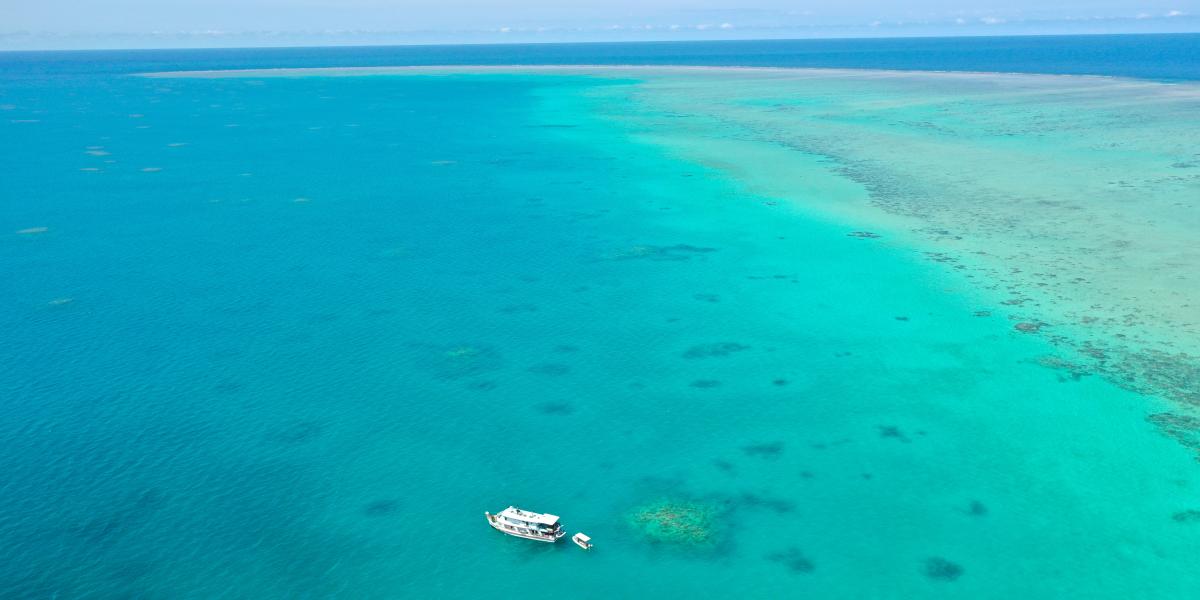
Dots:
pixel 582 541
pixel 526 524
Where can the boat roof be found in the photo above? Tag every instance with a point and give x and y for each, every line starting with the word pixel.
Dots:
pixel 513 512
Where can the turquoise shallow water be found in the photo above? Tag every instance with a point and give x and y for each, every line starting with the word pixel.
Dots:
pixel 291 337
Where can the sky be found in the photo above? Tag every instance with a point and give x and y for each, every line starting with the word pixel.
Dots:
pixel 35 24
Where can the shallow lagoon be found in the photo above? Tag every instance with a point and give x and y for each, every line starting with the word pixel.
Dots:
pixel 525 289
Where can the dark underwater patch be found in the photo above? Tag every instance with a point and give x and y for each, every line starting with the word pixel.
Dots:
pixel 555 408
pixel 764 450
pixel 301 432
pixel 705 383
pixel 793 559
pixel 940 569
pixel 456 361
pixel 552 369
pixel 228 387
pixel 778 505
pixel 724 465
pixel 107 526
pixel 676 252
pixel 515 309
pixel 1186 516
pixel 892 432
pixel 716 350
pixel 381 508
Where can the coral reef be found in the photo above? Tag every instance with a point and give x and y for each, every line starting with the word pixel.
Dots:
pixel 677 522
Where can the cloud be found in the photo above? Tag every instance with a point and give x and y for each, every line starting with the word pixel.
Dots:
pixel 1175 13
pixel 991 20
pixel 726 25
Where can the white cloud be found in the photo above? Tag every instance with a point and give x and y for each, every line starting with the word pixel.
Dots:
pixel 991 20
pixel 1175 13
pixel 726 25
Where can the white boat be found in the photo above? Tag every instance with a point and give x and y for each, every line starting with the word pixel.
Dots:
pixel 525 524
pixel 582 541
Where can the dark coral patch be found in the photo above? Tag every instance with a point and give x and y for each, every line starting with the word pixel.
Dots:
pixel 381 508
pixel 940 569
pixel 553 369
pixel 514 309
pixel 706 383
pixel 1184 429
pixel 773 504
pixel 555 408
pixel 717 350
pixel 677 252
pixel 294 434
pixel 228 387
pixel 793 559
pixel 1186 516
pixel 892 432
pixel 977 509
pixel 764 450
pixel 456 361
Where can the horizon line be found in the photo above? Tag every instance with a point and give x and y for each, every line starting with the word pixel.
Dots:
pixel 597 42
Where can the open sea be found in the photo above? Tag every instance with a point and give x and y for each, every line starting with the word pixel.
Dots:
pixel 291 336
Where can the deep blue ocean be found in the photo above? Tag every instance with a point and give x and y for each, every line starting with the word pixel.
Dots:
pixel 290 337
pixel 1163 56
